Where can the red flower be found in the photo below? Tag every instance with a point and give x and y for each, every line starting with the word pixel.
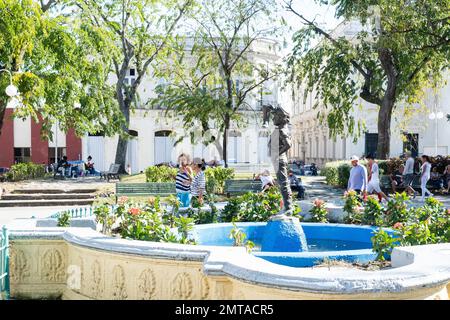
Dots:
pixel 134 211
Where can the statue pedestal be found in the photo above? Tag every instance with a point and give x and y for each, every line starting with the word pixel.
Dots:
pixel 284 234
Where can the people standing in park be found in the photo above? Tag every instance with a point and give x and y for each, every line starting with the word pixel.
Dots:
pixel 425 176
pixel 408 175
pixel 198 186
pixel 358 177
pixel 183 181
pixel 374 178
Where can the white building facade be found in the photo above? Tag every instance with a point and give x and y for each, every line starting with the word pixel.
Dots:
pixel 155 134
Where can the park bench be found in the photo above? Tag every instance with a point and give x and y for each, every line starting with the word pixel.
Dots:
pixel 145 189
pixel 385 184
pixel 112 173
pixel 233 187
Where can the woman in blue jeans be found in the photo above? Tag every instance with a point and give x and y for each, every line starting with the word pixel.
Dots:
pixel 183 181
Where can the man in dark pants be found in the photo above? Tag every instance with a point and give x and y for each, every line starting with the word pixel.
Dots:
pixel 296 185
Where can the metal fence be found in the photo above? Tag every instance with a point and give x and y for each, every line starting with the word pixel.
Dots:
pixel 4 264
pixel 76 213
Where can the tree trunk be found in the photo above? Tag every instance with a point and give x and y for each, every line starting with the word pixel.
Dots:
pixel 384 129
pixel 225 141
pixel 122 144
pixel 387 104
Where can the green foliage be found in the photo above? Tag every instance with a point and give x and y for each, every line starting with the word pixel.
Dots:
pixel 382 244
pixel 160 174
pixel 397 209
pixel 210 85
pixel 400 51
pixel 57 61
pixel 216 177
pixel 25 171
pixel 319 212
pixel 373 212
pixel 253 207
pixel 64 219
pixel 337 173
pixel 239 238
pixel 353 208
pixel 105 216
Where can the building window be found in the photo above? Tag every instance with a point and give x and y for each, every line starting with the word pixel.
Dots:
pixel 51 154
pixel 371 143
pixel 22 155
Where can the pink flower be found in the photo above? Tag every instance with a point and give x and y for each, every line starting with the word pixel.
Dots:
pixel 134 211
pixel 448 211
pixel 122 200
pixel 398 225
pixel 318 203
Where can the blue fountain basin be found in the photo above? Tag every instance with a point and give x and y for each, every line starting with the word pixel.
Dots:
pixel 350 243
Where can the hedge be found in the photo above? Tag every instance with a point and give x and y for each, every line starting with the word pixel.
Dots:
pixel 160 174
pixel 25 171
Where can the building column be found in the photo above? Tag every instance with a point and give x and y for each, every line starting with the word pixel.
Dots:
pixel 73 146
pixel 39 146
pixel 7 140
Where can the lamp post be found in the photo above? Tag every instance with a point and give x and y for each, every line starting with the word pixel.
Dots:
pixel 11 90
pixel 436 115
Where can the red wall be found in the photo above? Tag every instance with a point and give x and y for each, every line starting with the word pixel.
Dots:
pixel 73 146
pixel 7 140
pixel 39 146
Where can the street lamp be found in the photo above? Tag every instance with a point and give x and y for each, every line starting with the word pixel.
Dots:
pixel 436 115
pixel 11 90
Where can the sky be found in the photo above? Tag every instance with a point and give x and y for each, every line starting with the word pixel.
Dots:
pixel 323 15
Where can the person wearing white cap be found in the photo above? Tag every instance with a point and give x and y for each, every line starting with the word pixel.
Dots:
pixel 358 177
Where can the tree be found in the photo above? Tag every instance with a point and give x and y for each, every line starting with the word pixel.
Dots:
pixel 402 49
pixel 212 84
pixel 142 30
pixel 57 63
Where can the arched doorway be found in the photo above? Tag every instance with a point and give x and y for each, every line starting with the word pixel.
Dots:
pixel 164 144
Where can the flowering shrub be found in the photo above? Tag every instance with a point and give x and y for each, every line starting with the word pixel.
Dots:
pixel 383 244
pixel 144 221
pixel 353 208
pixel 373 212
pixel 319 213
pixel 397 209
pixel 428 224
pixel 25 171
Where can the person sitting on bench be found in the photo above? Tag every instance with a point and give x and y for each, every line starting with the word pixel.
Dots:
pixel 63 167
pixel 296 185
pixel 266 180
pixel 89 165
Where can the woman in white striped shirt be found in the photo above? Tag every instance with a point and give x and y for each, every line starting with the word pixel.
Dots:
pixel 198 186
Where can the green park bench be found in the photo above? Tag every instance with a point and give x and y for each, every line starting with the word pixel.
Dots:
pixel 234 187
pixel 145 189
pixel 385 183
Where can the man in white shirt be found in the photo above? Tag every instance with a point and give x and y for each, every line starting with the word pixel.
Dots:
pixel 408 175
pixel 374 178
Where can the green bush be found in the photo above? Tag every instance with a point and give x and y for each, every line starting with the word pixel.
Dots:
pixel 160 174
pixel 64 219
pixel 216 177
pixel 25 171
pixel 253 207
